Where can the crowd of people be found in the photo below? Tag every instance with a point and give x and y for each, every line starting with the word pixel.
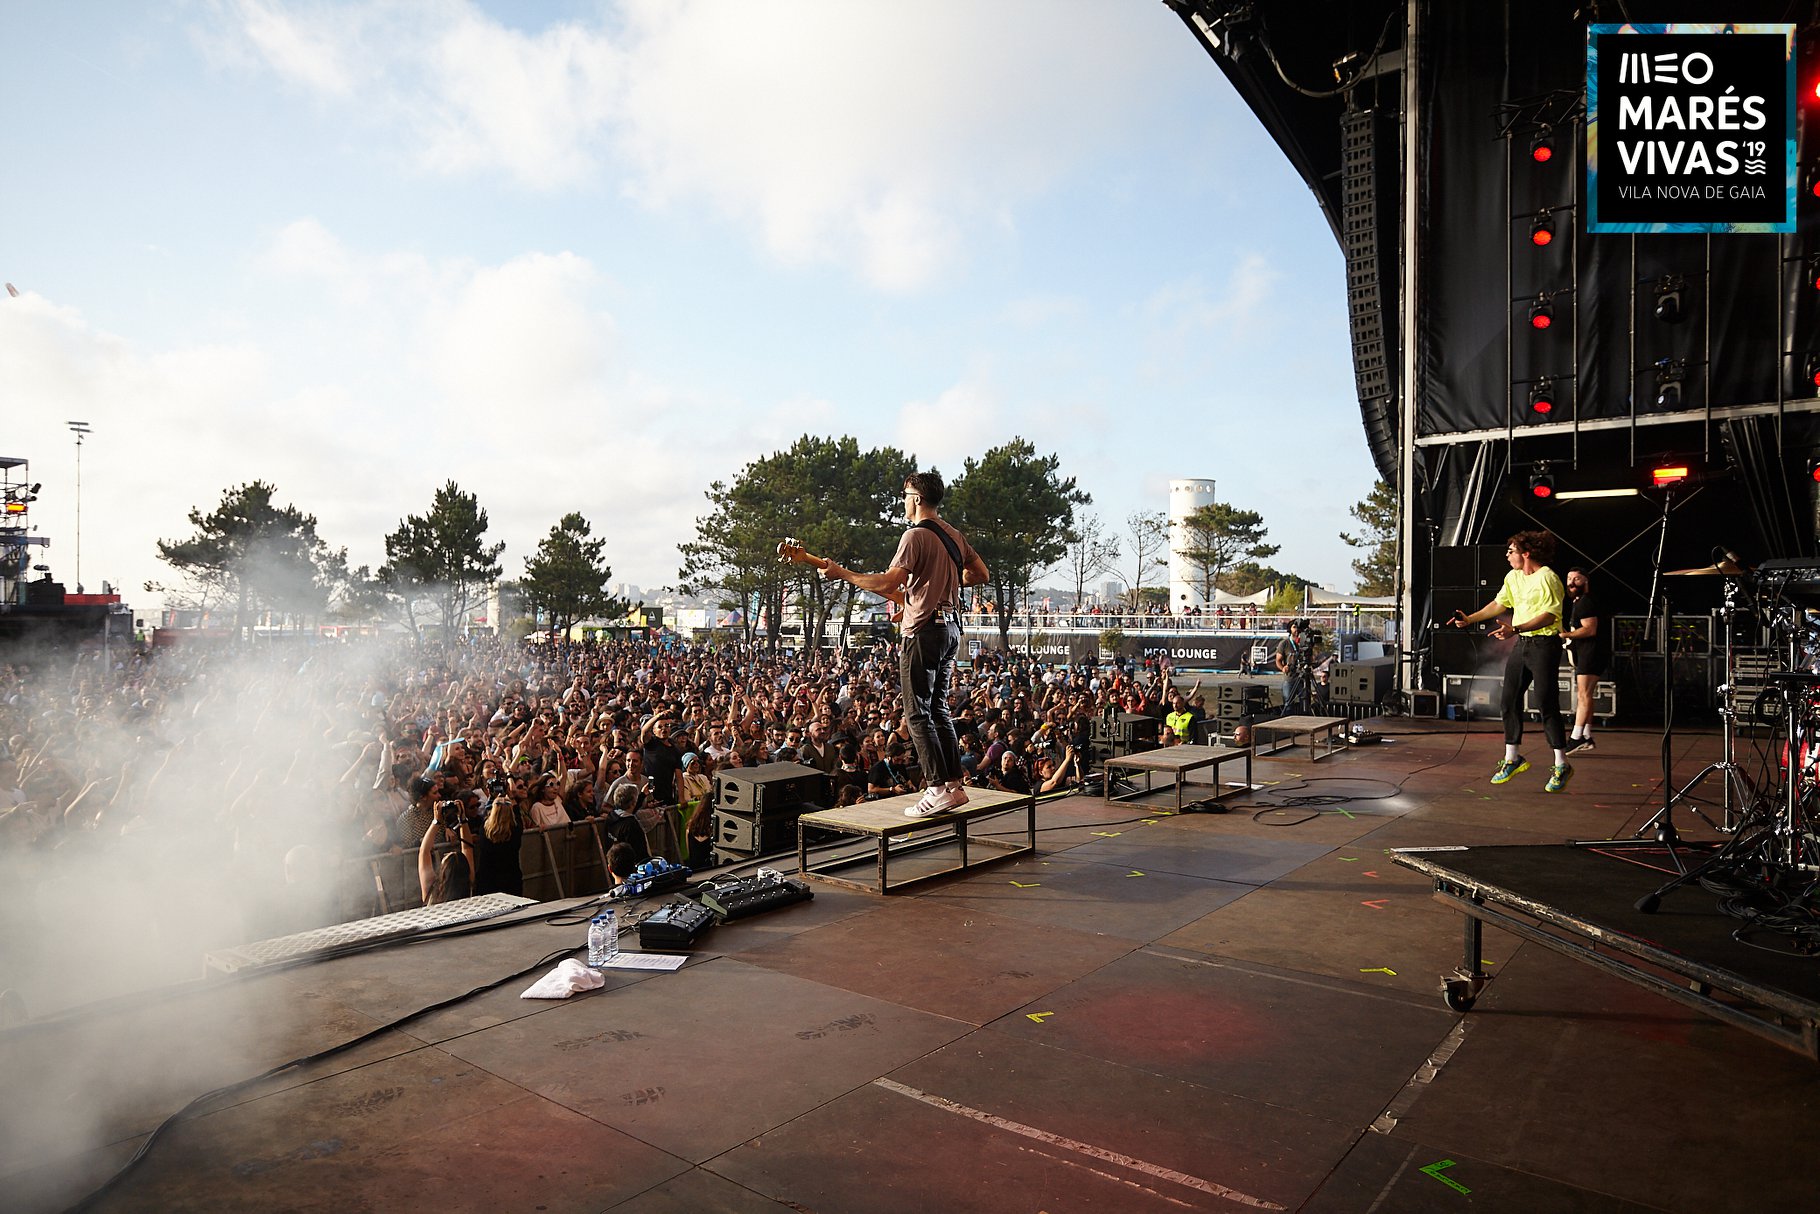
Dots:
pixel 272 762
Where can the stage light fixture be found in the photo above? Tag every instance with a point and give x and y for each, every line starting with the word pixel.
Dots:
pixel 1541 400
pixel 1542 231
pixel 1575 495
pixel 15 507
pixel 1541 483
pixel 1664 475
pixel 1668 299
pixel 1542 146
pixel 1670 372
pixel 1811 373
pixel 1542 313
pixel 1813 470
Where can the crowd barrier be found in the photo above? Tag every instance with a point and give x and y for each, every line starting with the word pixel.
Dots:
pixel 557 862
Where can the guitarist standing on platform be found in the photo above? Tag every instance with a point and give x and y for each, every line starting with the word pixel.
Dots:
pixel 933 562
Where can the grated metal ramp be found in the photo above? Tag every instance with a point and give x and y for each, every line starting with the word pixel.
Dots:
pixel 362 931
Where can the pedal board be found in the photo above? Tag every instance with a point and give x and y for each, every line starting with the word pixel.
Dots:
pixel 755 895
pixel 674 925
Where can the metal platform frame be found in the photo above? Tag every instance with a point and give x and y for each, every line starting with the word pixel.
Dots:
pixel 884 821
pixel 1772 1014
pixel 1318 730
pixel 1178 761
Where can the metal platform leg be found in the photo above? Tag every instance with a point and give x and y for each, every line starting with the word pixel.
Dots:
pixel 1461 989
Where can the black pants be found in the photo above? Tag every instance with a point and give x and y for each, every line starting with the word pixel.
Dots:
pixel 922 666
pixel 1537 660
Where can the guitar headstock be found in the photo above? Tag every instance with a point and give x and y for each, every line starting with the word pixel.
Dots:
pixel 789 549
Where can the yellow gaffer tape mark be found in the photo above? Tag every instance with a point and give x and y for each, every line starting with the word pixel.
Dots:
pixel 1021 885
pixel 1134 873
pixel 1039 1017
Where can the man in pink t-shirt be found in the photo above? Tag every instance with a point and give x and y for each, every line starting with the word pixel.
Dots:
pixel 932 563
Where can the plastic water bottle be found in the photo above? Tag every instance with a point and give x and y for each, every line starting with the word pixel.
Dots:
pixel 603 938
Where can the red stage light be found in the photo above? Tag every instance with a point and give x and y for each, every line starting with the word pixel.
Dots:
pixel 1813 469
pixel 1541 314
pixel 1542 147
pixel 1542 399
pixel 1670 474
pixel 1541 484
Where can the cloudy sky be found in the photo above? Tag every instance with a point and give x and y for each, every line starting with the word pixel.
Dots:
pixel 594 255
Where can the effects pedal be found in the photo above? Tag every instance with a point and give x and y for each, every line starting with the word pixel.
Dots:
pixel 674 925
pixel 755 895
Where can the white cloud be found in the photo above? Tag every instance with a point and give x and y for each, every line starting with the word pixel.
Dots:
pixel 519 336
pixel 530 105
pixel 885 139
pixel 1182 309
pixel 964 420
pixel 304 52
pixel 304 248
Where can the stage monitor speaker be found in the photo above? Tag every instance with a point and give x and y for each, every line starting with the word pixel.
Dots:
pixel 1366 682
pixel 754 790
pixel 1127 729
pixel 1239 692
pixel 748 835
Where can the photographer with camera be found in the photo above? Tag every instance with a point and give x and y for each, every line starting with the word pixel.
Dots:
pixel 1296 657
pixel 453 876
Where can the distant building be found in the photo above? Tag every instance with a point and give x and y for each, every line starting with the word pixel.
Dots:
pixel 1185 497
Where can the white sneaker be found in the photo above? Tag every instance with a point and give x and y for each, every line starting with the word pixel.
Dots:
pixel 935 801
pixel 957 795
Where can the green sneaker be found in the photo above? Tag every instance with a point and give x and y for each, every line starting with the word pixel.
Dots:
pixel 1558 777
pixel 1509 768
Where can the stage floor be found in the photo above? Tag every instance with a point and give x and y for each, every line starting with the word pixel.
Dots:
pixel 1235 1011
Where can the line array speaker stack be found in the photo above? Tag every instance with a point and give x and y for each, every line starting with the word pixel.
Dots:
pixel 756 808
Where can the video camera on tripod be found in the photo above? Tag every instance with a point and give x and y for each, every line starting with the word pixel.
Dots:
pixel 1305 638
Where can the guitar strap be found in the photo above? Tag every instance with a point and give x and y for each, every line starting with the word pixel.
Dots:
pixel 954 554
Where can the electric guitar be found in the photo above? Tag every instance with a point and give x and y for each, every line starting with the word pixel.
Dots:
pixel 792 551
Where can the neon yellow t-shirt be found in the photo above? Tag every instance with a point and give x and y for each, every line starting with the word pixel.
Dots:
pixel 1529 595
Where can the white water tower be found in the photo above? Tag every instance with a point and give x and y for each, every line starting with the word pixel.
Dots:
pixel 1185 497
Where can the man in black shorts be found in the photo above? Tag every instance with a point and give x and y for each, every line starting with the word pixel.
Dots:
pixel 1589 649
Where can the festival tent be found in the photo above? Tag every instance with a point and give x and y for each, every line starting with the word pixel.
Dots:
pixel 1316 597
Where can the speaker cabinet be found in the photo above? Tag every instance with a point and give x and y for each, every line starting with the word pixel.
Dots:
pixel 755 790
pixel 1366 682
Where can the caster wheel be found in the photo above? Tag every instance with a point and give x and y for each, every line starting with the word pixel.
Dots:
pixel 1459 996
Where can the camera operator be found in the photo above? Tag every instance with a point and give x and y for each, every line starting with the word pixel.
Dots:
pixel 1296 657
